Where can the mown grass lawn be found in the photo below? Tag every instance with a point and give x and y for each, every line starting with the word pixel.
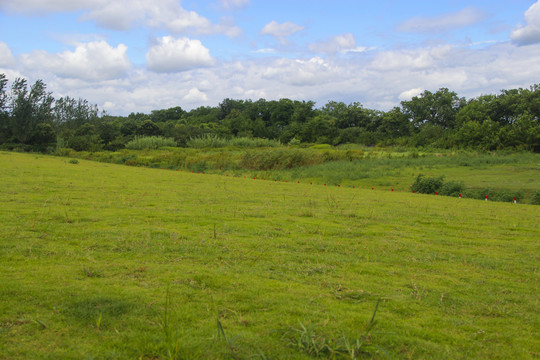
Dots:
pixel 91 252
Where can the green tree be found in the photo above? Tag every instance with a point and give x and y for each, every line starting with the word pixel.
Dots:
pixel 69 114
pixel 281 114
pixel 5 131
pixel 44 137
pixel 174 113
pixel 479 135
pixel 86 139
pixel 524 133
pixel 29 108
pixel 394 124
pixel 439 108
pixel 148 128
pixel 238 123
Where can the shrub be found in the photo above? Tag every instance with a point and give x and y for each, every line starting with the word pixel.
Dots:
pixel 427 185
pixel 149 142
pixel 352 155
pixel 535 200
pixel 452 188
pixel 64 152
pixel 294 142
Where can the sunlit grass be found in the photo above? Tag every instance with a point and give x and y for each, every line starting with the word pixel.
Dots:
pixel 89 250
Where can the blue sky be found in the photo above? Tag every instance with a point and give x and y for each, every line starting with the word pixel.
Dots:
pixel 139 55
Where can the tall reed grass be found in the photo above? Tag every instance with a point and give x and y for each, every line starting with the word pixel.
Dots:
pixel 215 141
pixel 149 142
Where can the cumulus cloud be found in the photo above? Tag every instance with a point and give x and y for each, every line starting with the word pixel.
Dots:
pixel 422 58
pixel 195 96
pixel 174 55
pixel 451 21
pixel 339 43
pixel 117 15
pixel 92 61
pixel 409 94
pixel 6 57
pixel 530 32
pixel 281 31
pixel 300 72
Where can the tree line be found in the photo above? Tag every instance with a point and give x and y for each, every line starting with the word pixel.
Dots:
pixel 31 119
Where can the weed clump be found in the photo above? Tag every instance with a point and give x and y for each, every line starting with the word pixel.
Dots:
pixel 149 142
pixel 214 141
pixel 307 340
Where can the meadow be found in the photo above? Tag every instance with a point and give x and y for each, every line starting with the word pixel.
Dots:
pixel 501 175
pixel 106 261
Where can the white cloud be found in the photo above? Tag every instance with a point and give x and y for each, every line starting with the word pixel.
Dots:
pixel 451 21
pixel 195 96
pixel 314 71
pixel 410 59
pixel 339 43
pixel 281 31
pixel 6 57
pixel 94 61
pixel 264 51
pixel 409 94
pixel 40 6
pixel 124 14
pixel 379 80
pixel 234 4
pixel 174 55
pixel 117 15
pixel 530 32
pixel 177 19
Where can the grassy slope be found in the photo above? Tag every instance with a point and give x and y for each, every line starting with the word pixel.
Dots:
pixel 518 174
pixel 512 172
pixel 87 251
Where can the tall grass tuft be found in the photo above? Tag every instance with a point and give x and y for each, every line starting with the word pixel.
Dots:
pixel 215 141
pixel 171 340
pixel 149 142
pixel 306 340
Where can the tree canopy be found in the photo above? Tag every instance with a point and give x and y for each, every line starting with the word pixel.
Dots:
pixel 30 118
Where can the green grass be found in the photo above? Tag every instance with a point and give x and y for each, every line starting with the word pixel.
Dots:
pixel 102 261
pixel 509 174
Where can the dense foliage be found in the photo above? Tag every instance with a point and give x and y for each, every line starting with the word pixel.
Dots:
pixel 30 118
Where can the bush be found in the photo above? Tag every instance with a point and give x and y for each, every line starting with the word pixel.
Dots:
pixel 536 198
pixel 149 142
pixel 493 195
pixel 452 188
pixel 427 185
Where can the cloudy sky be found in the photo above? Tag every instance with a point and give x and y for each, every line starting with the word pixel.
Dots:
pixel 139 55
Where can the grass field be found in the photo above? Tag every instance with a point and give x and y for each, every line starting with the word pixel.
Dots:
pixel 510 174
pixel 102 261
